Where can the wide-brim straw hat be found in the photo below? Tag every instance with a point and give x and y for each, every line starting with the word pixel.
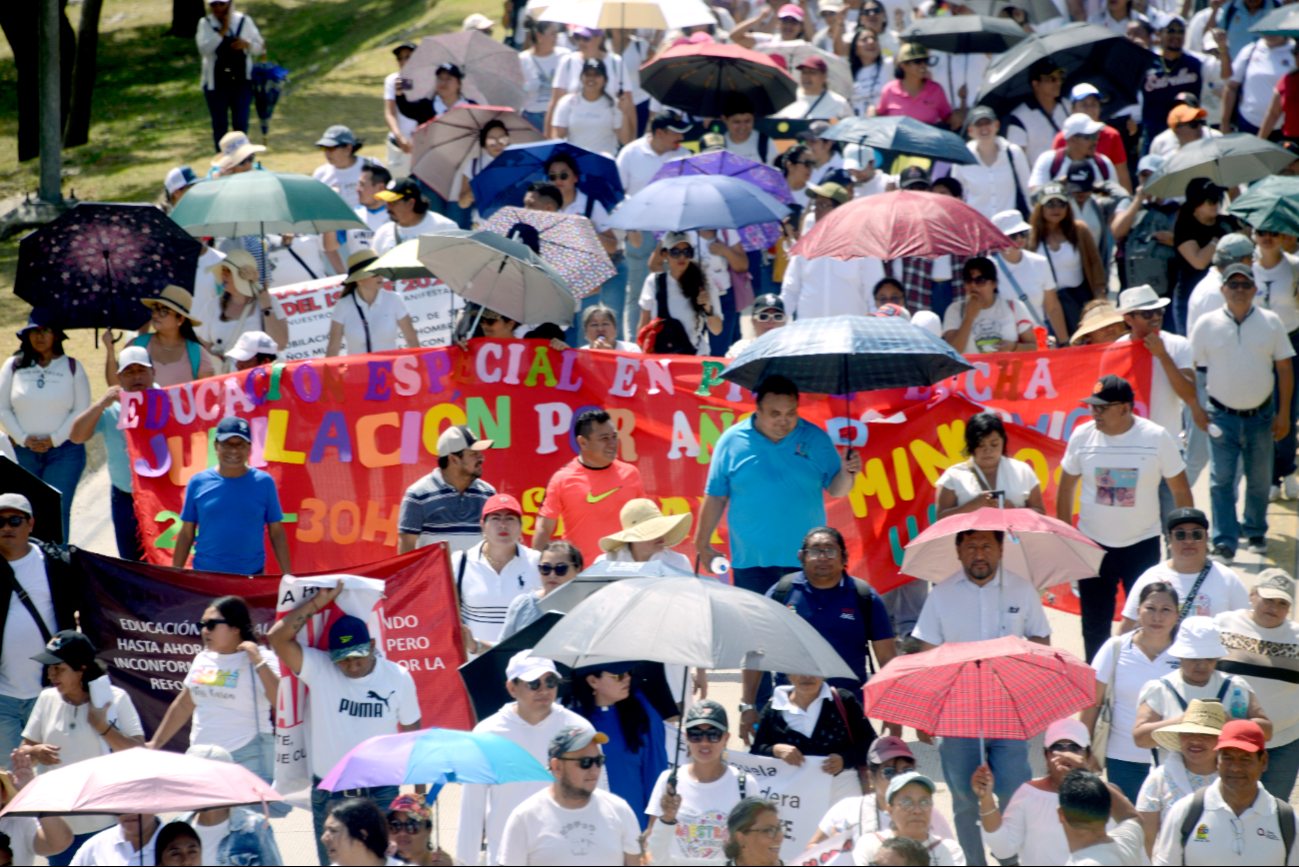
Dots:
pixel 643 521
pixel 1201 717
pixel 174 298
pixel 1100 316
pixel 243 267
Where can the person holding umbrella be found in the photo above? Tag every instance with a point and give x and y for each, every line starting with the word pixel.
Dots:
pixel 913 92
pixel 122 843
pixel 492 139
pixel 230 835
pixel 560 563
pixel 227 42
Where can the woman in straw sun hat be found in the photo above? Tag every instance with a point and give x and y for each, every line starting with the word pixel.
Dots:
pixel 178 356
pixel 244 305
pixel 1101 323
pixel 369 318
pixel 647 534
pixel 1191 763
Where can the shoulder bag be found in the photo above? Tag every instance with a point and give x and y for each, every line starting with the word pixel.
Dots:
pixel 1105 718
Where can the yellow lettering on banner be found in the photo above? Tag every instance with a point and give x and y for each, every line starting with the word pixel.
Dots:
pixel 375 523
pixel 531 502
pixel 541 367
pixel 902 472
pixel 932 462
pixel 674 505
pixel 367 448
pixel 277 427
pixel 872 481
pixel 1037 461
pixel 182 470
pixel 311 528
pixel 625 421
pixel 433 419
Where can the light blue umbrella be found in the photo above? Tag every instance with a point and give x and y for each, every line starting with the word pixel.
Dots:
pixel 901 135
pixel 436 756
pixel 697 202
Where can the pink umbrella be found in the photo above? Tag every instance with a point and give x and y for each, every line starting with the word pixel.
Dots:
pixel 1044 550
pixel 441 146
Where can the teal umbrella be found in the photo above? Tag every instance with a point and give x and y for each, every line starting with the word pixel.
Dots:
pixel 1272 205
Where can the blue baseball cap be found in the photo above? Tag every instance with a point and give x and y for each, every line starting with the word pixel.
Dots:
pixel 232 426
pixel 349 637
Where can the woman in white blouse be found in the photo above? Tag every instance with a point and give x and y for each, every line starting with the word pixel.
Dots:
pixel 369 317
pixel 692 299
pixel 988 478
pixel 591 118
pixel 492 139
pixel 871 70
pixel 647 534
pixel 591 45
pixel 242 305
pixel 540 63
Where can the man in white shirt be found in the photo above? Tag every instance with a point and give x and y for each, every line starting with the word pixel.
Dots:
pixel 1276 274
pixel 1238 821
pixel 1080 136
pixel 120 843
pixel 1255 70
pixel 409 215
pixel 369 210
pixel 826 286
pixel 815 99
pixel 1034 123
pixel 1241 345
pixel 532 721
pixel 1087 803
pixel 1186 123
pixel 573 821
pixel 353 694
pixel 859 163
pixel 1120 459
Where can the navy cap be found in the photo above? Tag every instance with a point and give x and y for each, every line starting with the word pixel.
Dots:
pixel 348 637
pixel 232 426
pixel 451 68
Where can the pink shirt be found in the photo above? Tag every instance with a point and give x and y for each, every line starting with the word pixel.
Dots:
pixel 928 106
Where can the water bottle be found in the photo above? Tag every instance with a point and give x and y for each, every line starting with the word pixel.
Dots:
pixel 1239 704
pixel 721 567
pixel 1214 430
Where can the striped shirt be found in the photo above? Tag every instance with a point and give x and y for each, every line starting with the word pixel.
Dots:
pixel 437 512
pixel 485 595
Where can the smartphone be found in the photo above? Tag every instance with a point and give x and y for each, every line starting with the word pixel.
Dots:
pixel 997 494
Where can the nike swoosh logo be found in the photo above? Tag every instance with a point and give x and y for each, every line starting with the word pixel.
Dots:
pixel 591 498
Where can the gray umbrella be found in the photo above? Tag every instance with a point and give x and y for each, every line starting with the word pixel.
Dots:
pixel 601 575
pixel 1239 158
pixel 1038 10
pixel 965 34
pixel 499 274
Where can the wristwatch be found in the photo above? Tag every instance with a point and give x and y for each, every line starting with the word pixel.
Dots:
pixel 747 707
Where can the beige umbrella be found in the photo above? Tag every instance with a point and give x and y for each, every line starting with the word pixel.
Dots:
pixel 623 14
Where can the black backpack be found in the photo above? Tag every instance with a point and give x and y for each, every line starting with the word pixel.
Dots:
pixel 1285 819
pixel 671 338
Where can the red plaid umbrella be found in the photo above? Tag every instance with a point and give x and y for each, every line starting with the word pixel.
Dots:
pixel 902 223
pixel 1004 688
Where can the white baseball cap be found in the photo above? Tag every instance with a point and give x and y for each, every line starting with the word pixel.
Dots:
pixel 1080 124
pixel 1010 222
pixel 856 156
pixel 179 178
pixel 524 666
pixel 1067 730
pixel 133 355
pixel 1081 90
pixel 252 344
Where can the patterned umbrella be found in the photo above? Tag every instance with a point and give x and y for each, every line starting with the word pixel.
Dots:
pixel 492 72
pixel 442 145
pixel 568 244
pixel 95 262
pixel 759 236
pixel 1003 688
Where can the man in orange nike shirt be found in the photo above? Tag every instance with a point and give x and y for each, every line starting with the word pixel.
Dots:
pixel 590 491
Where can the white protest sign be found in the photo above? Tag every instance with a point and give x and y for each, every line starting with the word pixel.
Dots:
pixel 800 794
pixel 836 850
pixel 308 309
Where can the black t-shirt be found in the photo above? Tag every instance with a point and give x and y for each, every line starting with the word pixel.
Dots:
pixel 1187 228
pixel 1163 81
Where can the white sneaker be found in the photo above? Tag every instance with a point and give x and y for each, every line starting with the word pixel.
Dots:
pixel 1274 493
pixel 1290 485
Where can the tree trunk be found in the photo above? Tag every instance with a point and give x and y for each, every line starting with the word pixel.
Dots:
pixel 185 16
pixel 19 22
pixel 77 131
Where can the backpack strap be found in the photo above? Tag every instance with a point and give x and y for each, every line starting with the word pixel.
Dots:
pixel 783 586
pixel 72 363
pixel 1285 818
pixel 460 573
pixel 1057 160
pixel 1196 810
pixel 1177 695
pixel 1222 693
pixel 590 206
pixel 661 294
pixel 763 141
pixel 193 357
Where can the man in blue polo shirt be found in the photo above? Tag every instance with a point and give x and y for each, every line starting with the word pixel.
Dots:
pixel 771 469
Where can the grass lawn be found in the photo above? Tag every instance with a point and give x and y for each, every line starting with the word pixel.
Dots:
pixel 149 114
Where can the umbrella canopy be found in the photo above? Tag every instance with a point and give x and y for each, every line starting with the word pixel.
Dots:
pixel 569 244
pixel 499 274
pixel 902 135
pixel 437 756
pixel 1044 550
pixel 1038 10
pixel 441 147
pixel 140 781
pixel 1086 52
pixel 630 14
pixel 96 261
pixel 902 223
pixel 492 74
pixel 269 81
pixel 47 502
pixel 844 354
pixel 1272 204
pixel 506 180
pixel 1228 160
pixel 839 73
pixel 601 575
pixel 697 78
pixel 254 203
pixel 697 202
pixel 686 621
pixel 1282 21
pixel 965 34
pixel 400 263
pixel 758 236
pixel 1003 688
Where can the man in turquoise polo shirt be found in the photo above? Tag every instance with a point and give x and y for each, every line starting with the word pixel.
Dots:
pixel 771 469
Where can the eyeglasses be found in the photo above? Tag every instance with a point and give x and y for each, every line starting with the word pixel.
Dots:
pixel 1064 747
pixel 1174 31
pixel 1193 535
pixel 714 736
pixel 810 164
pixel 499 140
pixel 1266 233
pixel 1055 204
pixel 682 252
pixel 13 520
pixel 821 553
pixel 212 624
pixel 577 37
pixel 1149 314
pixel 560 176
pixel 771 833
pixel 873 10
pixel 769 317
pixel 586 762
pixel 1092 137
pixel 891 772
pixel 410 826
pixel 550 682
pixel 560 569
pixel 981 280
pixel 908 804
pixel 923 61
pixel 1240 285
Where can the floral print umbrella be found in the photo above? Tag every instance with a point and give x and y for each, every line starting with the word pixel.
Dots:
pixel 568 244
pixel 96 261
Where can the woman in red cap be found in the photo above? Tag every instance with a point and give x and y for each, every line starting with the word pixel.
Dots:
pixel 492 573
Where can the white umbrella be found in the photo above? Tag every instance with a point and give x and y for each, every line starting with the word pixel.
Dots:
pixel 838 72
pixel 624 14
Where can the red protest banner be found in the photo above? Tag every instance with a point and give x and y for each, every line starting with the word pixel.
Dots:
pixel 344 437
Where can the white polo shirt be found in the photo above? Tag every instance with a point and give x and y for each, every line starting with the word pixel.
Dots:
pixel 826 286
pixel 960 610
pixel 1218 834
pixel 485 594
pixel 1221 591
pixel 110 847
pixel 1240 356
pixel 1030 128
pixel 638 163
pixel 1257 69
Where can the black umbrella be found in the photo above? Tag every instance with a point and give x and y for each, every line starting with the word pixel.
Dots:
pixel 95 262
pixel 1086 52
pixel 965 34
pixel 898 134
pixel 47 502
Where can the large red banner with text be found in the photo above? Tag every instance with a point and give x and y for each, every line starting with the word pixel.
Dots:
pixel 345 437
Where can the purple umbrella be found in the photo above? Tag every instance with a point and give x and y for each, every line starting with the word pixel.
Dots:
pixel 725 163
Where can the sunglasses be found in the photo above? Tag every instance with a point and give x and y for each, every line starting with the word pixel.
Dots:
pixel 923 61
pixel 499 140
pixel 682 252
pixel 1193 535
pixel 410 826
pixel 1194 124
pixel 714 736
pixel 821 553
pixel 617 678
pixel 1100 408
pixel 561 570
pixel 1240 285
pixel 1055 203
pixel 13 520
pixel 212 624
pixel 549 682
pixel 874 10
pixel 586 762
pixel 891 772
pixel 1149 314
pixel 807 164
pixel 1266 233
pixel 1065 747
pixel 769 317
pixel 561 176
pixel 981 280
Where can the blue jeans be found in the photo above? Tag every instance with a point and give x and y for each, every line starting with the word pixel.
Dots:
pixel 1128 776
pixel 1282 768
pixel 536 118
pixel 126 527
pixel 637 270
pixel 1197 441
pixel 234 102
pixel 60 468
pixel 1284 464
pixel 64 858
pixel 321 799
pixel 1008 760
pixel 13 719
pixel 1248 440
pixel 258 756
